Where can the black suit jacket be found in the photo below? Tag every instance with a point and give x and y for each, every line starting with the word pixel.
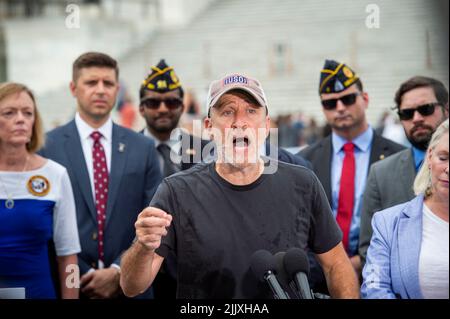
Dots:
pixel 287 157
pixel 191 150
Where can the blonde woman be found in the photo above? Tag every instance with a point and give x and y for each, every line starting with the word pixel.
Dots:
pixel 408 256
pixel 36 204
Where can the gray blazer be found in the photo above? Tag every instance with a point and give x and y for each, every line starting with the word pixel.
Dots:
pixel 392 269
pixel 134 177
pixel 390 182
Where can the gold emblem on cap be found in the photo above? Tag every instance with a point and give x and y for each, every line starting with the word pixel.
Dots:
pixel 161 84
pixel 347 72
pixel 38 185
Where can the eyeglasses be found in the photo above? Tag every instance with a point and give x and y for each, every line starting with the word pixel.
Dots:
pixel 347 100
pixel 153 103
pixel 424 110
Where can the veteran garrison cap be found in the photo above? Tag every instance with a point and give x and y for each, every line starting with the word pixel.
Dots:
pixel 162 79
pixel 336 77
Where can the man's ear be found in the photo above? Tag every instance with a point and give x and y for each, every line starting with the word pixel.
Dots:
pixel 366 99
pixel 445 111
pixel 207 124
pixel 72 87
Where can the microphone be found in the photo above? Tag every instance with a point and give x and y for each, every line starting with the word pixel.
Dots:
pixel 282 276
pixel 263 266
pixel 297 266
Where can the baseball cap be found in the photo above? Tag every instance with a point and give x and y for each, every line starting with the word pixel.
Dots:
pixel 235 82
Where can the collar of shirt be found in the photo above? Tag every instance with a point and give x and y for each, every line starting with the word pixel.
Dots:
pixel 85 130
pixel 362 142
pixel 418 155
pixel 174 142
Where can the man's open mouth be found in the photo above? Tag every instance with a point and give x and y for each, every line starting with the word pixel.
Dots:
pixel 241 142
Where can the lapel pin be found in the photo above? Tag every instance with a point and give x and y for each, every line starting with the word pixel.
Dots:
pixel 382 157
pixel 121 147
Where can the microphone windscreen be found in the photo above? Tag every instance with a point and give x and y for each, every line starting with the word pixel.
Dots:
pixel 296 261
pixel 261 262
pixel 280 271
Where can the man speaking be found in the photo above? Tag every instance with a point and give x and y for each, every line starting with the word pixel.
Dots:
pixel 214 216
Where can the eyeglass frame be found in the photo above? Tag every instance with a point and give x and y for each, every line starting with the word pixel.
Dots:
pixel 347 104
pixel 432 106
pixel 157 106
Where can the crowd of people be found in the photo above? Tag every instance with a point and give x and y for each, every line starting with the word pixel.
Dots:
pixel 163 214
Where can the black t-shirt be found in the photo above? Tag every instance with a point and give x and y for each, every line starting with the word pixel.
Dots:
pixel 217 226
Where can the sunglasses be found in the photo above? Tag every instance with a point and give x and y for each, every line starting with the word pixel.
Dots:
pixel 424 110
pixel 153 103
pixel 347 100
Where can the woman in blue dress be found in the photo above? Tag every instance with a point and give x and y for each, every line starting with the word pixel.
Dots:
pixel 36 206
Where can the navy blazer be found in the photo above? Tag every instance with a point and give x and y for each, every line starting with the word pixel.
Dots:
pixel 392 267
pixel 134 177
pixel 320 155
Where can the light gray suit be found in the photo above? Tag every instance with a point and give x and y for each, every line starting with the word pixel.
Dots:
pixel 392 269
pixel 390 182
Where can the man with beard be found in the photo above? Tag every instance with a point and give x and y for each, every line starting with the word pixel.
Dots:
pixel 422 105
pixel 341 161
pixel 216 215
pixel 161 105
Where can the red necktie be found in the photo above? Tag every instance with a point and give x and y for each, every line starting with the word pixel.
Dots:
pixel 101 189
pixel 346 193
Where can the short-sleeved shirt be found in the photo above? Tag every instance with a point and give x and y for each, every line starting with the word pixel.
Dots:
pixel 44 209
pixel 217 226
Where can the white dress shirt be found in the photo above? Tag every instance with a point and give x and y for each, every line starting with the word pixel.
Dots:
pixel 87 143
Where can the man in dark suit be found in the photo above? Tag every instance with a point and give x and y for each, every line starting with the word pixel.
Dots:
pixel 341 161
pixel 114 173
pixel 422 105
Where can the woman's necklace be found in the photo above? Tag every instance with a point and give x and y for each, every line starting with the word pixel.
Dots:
pixel 9 203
